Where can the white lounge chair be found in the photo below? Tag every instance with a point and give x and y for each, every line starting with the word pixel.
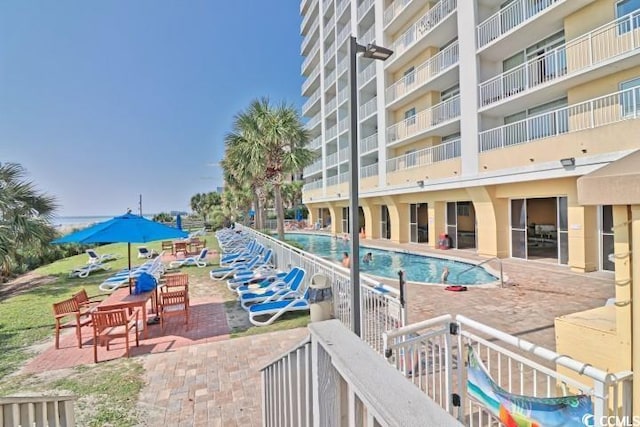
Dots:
pixel 95 258
pixel 199 261
pixel 278 290
pixel 86 270
pixel 145 253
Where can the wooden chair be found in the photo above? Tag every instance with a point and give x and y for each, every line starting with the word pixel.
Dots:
pixel 175 281
pixel 167 245
pixel 111 324
pixel 67 314
pixel 174 303
pixel 87 303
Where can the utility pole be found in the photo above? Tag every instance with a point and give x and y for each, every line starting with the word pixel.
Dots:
pixel 140 205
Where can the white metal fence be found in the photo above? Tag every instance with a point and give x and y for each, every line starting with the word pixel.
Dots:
pixel 426 119
pixel 394 10
pixel 369 170
pixel 423 25
pixel 425 157
pixel 432 355
pixel 612 108
pixel 369 143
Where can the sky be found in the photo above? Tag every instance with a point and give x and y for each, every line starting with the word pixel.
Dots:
pixel 102 101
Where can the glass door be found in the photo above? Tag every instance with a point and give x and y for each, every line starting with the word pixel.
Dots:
pixel 606 238
pixel 452 223
pixel 413 223
pixel 385 223
pixel 563 231
pixel 345 220
pixel 518 228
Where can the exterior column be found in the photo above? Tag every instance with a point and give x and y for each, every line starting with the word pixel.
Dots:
pixel 437 221
pixel 635 297
pixel 492 217
pixel 623 281
pixel 336 218
pixel 399 217
pixel 583 236
pixel 371 220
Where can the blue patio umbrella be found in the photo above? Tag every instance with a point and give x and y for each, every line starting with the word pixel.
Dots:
pixel 298 214
pixel 127 228
pixel 179 222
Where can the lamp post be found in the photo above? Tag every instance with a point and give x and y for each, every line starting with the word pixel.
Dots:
pixel 374 52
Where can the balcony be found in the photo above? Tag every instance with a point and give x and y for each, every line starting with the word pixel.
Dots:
pixel 369 144
pixel 313 99
pixel 424 121
pixel 343 65
pixel 369 171
pixel 592 52
pixel 312 185
pixel 341 7
pixel 364 8
pixel 309 37
pixel 313 122
pixel 311 80
pixel 343 95
pixel 312 59
pixel 315 143
pixel 343 125
pixel 424 26
pixel 332 160
pixel 331 105
pixel 367 74
pixel 330 25
pixel 304 25
pixel 330 53
pixel 343 155
pixel 331 133
pixel 598 112
pixel 330 79
pixel 368 108
pixel 425 72
pixel 425 157
pixel 369 36
pixel 399 13
pixel 535 18
pixel 326 4
pixel 344 34
pixel 313 168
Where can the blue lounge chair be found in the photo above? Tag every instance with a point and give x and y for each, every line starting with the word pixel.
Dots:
pixel 278 290
pixel 225 272
pixel 243 288
pixel 199 261
pixel 275 309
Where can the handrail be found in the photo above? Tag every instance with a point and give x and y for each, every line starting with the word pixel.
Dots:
pixel 478 265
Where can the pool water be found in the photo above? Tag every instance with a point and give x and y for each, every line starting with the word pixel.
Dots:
pixel 417 268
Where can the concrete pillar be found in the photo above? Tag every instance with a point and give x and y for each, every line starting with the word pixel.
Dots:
pixel 492 218
pixel 399 217
pixel 336 218
pixel 311 218
pixel 635 297
pixel 583 236
pixel 623 276
pixel 371 219
pixel 437 221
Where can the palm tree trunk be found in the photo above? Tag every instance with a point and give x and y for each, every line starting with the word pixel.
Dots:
pixel 258 209
pixel 279 210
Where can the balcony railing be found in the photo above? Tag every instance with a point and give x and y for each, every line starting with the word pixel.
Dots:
pixel 307 17
pixel 331 105
pixel 333 180
pixel 342 5
pixel 310 58
pixel 394 10
pixel 344 33
pixel 312 77
pixel 367 74
pixel 364 7
pixel 343 155
pixel 312 185
pixel 510 17
pixel 330 79
pixel 313 168
pixel 605 110
pixel 309 36
pixel 343 125
pixel 331 23
pixel 330 53
pixel 369 36
pixel 369 108
pixel 423 25
pixel 426 71
pixel 424 120
pixel 368 171
pixel 343 65
pixel 616 38
pixel 309 102
pixel 326 4
pixel 315 143
pixel 343 95
pixel 332 159
pixel 425 157
pixel 331 132
pixel 369 144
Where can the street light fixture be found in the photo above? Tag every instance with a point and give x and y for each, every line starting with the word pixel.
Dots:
pixel 373 52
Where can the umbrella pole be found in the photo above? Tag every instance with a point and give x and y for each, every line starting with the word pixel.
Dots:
pixel 129 272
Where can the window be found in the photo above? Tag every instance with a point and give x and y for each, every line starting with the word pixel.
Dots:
pixel 449 93
pixel 409 76
pixel 411 157
pixel 410 117
pixel 630 97
pixel 625 7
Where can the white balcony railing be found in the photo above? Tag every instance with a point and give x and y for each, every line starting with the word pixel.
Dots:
pixel 310 80
pixel 312 185
pixel 368 171
pixel 426 71
pixel 510 17
pixel 424 25
pixel 364 7
pixel 605 110
pixel 314 121
pixel 609 41
pixel 369 108
pixel 307 17
pixel 326 4
pixel 369 36
pixel 329 26
pixel 367 74
pixel 424 120
pixel 331 105
pixel 394 10
pixel 343 155
pixel 333 180
pixel 343 65
pixel 310 36
pixel 425 157
pixel 310 57
pixel 341 7
pixel 332 159
pixel 331 132
pixel 343 95
pixel 369 144
pixel 309 102
pixel 330 53
pixel 343 125
pixel 313 168
pixel 344 33
pixel 315 143
pixel 330 79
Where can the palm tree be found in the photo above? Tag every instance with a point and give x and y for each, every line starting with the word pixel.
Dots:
pixel 25 215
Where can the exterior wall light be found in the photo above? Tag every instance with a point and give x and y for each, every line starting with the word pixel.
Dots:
pixel 420 183
pixel 569 161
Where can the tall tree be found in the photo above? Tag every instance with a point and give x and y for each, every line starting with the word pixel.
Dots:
pixel 25 215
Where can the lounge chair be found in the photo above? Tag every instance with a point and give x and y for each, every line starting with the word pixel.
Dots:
pixel 94 258
pixel 145 253
pixel 86 270
pixel 225 272
pixel 264 282
pixel 275 309
pixel 278 290
pixel 198 261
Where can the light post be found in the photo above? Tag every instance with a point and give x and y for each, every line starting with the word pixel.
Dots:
pixel 374 52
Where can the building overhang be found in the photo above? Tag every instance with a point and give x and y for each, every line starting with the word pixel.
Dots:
pixel 617 183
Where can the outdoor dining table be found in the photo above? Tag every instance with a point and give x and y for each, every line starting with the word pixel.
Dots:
pixel 121 298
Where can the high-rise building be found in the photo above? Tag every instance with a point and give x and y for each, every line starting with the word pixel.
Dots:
pixel 479 124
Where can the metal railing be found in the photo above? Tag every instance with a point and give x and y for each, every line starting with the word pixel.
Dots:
pixel 369 143
pixel 394 10
pixel 426 119
pixel 343 65
pixel 510 17
pixel 309 59
pixel 310 36
pixel 331 105
pixel 344 33
pixel 330 78
pixel 369 170
pixel 433 353
pixel 306 19
pixel 330 53
pixel 314 167
pixel 332 159
pixel 310 101
pixel 333 180
pixel 381 309
pixel 473 267
pixel 426 71
pixel 423 25
pixel 425 157
pixel 310 80
pixel 616 38
pixel 343 95
pixel 369 36
pixel 343 125
pixel 315 143
pixel 342 5
pixel 313 121
pixel 312 185
pixel 367 74
pixel 612 108
pixel 369 108
pixel 364 7
pixel 331 132
pixel 343 155
pixel 37 411
pixel 329 26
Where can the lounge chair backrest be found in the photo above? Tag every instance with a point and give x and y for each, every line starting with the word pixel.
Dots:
pixel 92 254
pixel 203 254
pixel 297 280
pixel 266 258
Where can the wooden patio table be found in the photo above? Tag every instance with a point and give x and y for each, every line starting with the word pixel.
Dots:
pixel 121 298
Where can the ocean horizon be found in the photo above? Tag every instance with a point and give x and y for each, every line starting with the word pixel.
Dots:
pixel 60 221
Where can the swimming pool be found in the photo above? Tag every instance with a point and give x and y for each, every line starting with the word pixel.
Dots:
pixel 417 268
